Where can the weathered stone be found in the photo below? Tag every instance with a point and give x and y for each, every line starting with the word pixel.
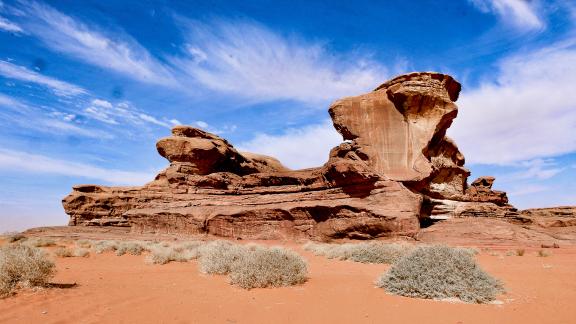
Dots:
pixel 395 169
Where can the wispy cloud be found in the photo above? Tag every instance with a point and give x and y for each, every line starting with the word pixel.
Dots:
pixel 118 52
pixel 16 115
pixel 17 72
pixel 537 169
pixel 519 13
pixel 297 148
pixel 123 113
pixel 26 162
pixel 9 26
pixel 528 189
pixel 248 60
pixel 528 111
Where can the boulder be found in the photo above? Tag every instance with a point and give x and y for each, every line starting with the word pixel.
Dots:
pixel 394 170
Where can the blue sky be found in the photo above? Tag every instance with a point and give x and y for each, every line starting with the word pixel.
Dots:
pixel 87 87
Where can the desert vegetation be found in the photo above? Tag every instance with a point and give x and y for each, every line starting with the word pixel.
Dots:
pixel 370 252
pixel 253 266
pixel 440 272
pixel 23 265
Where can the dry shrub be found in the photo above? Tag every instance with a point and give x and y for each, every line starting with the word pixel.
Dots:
pixel 520 252
pixel 268 267
pixel 63 252
pixel 163 253
pixel 81 253
pixel 543 254
pixel 23 265
pixel 86 244
pixel 41 242
pixel 371 252
pixel 439 272
pixel 253 266
pixel 217 257
pixel 133 248
pixel 12 237
pixel 104 246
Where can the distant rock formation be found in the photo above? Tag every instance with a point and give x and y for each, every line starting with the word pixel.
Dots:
pixel 395 169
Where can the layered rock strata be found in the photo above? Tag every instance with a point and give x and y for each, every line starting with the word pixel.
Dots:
pixel 395 169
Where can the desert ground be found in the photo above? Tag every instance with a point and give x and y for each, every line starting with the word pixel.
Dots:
pixel 105 288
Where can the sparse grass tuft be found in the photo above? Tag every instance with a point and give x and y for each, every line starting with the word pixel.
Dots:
pixel 371 252
pixel 268 267
pixel 520 252
pixel 543 254
pixel 439 272
pixel 23 265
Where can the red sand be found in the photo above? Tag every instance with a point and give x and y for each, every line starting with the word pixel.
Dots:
pixel 124 289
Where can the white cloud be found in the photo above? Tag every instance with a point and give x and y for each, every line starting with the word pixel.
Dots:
pixel 537 169
pixel 527 112
pixel 22 161
pixel 18 115
pixel 9 26
pixel 520 13
pixel 297 148
pixel 119 52
pixel 121 113
pixel 21 73
pixel 527 189
pixel 250 61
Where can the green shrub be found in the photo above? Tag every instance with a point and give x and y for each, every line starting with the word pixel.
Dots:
pixel 370 252
pixel 268 267
pixel 439 272
pixel 23 265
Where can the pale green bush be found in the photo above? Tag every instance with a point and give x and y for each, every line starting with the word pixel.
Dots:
pixel 439 272
pixel 23 265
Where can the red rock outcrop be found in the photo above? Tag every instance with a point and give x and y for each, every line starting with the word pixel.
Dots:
pixel 395 168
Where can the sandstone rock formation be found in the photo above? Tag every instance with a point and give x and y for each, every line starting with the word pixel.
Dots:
pixel 395 169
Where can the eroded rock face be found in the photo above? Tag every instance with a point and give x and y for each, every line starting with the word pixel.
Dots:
pixel 395 168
